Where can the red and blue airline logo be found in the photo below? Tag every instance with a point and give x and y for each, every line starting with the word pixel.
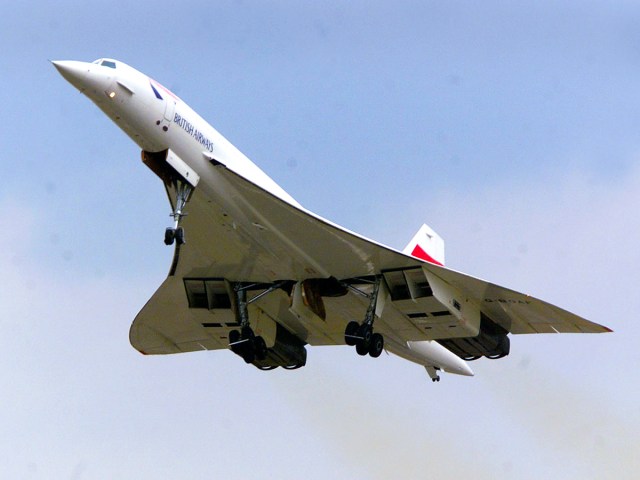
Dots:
pixel 157 87
pixel 155 91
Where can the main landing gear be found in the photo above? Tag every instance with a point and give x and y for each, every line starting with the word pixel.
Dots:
pixel 245 342
pixel 361 335
pixel 176 233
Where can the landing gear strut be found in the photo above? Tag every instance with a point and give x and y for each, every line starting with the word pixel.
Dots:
pixel 245 342
pixel 176 233
pixel 433 373
pixel 361 335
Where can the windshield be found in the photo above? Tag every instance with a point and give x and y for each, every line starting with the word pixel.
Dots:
pixel 105 63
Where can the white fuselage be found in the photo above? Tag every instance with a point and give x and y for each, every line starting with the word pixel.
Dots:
pixel 156 120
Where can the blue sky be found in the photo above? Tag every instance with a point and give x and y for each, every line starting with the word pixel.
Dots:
pixel 511 129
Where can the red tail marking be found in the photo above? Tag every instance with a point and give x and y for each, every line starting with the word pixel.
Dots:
pixel 420 253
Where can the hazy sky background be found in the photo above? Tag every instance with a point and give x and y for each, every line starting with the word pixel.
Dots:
pixel 510 127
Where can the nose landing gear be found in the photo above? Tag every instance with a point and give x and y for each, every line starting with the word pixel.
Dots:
pixel 179 180
pixel 176 233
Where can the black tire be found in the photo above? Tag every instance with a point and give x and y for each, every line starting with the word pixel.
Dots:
pixel 361 348
pixel 249 355
pixel 260 348
pixel 180 236
pixel 351 332
pixel 377 345
pixel 169 236
pixel 365 332
pixel 234 336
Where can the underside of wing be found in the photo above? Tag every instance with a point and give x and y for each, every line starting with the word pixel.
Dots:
pixel 306 278
pixel 517 312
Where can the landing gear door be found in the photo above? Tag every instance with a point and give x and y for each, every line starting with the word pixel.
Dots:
pixel 181 167
pixel 169 110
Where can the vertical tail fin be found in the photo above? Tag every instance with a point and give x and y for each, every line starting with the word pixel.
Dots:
pixel 426 245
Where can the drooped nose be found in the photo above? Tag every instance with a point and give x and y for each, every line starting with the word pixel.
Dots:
pixel 74 72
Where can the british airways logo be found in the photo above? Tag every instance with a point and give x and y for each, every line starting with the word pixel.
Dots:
pixel 157 88
pixel 155 91
pixel 188 127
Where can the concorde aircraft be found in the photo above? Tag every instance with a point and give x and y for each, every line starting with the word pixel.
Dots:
pixel 256 273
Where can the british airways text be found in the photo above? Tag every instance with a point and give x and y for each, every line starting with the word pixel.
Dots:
pixel 194 132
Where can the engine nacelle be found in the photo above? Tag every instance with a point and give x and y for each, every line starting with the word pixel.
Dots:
pixel 466 313
pixel 491 342
pixel 288 351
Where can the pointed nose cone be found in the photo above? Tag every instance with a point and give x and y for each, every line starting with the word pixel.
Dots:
pixel 466 370
pixel 74 72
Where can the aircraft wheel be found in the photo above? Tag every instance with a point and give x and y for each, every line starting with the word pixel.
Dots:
pixel 169 236
pixel 234 336
pixel 362 348
pixel 249 354
pixel 260 348
pixel 377 345
pixel 179 236
pixel 365 332
pixel 351 332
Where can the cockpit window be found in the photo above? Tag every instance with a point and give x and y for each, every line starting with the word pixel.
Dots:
pixel 108 63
